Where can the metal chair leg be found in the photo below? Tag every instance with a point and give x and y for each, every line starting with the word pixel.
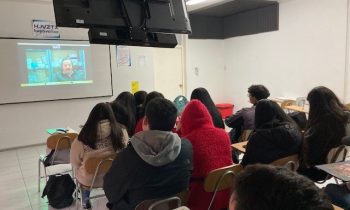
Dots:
pixel 45 173
pixel 39 177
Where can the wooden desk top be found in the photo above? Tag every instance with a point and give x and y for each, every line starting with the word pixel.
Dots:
pixel 240 146
pixel 337 207
pixel 296 108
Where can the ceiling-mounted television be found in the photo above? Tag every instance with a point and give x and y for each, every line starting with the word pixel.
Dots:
pixel 132 16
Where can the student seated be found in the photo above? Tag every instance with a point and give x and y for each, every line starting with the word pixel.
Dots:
pixel 211 150
pixel 149 97
pixel 140 97
pixel 100 136
pixel 275 135
pixel 156 164
pixel 127 99
pixel 122 115
pixel 265 187
pixel 244 118
pixel 203 96
pixel 324 130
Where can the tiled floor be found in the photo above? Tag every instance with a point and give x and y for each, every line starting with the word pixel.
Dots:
pixel 19 181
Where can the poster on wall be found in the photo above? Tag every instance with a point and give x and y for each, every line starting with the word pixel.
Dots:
pixel 135 86
pixel 45 29
pixel 123 56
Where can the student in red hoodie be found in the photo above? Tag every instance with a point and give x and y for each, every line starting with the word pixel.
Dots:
pixel 211 150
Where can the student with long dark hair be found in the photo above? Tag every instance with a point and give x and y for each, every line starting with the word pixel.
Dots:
pixel 149 97
pixel 203 95
pixel 127 99
pixel 275 135
pixel 122 115
pixel 101 135
pixel 140 97
pixel 324 130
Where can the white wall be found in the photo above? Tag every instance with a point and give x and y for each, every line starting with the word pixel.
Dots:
pixel 308 50
pixel 208 57
pixel 25 124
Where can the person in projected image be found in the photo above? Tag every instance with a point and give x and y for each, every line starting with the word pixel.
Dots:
pixel 68 72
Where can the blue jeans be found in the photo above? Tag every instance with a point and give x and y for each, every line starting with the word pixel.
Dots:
pixel 85 194
pixel 339 195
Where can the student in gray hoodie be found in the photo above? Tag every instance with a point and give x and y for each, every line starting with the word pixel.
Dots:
pixel 156 164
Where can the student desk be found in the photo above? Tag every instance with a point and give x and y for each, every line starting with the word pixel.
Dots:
pixel 240 146
pixel 337 207
pixel 340 170
pixel 296 108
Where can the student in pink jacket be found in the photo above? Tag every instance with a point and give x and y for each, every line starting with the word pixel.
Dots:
pixel 101 135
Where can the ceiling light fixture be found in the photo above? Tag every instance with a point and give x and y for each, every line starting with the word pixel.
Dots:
pixel 193 2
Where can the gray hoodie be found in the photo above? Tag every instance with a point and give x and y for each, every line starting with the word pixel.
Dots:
pixel 157 148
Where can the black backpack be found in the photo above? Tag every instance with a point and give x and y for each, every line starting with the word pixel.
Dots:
pixel 59 190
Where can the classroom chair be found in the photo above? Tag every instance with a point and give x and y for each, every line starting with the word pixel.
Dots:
pixel 220 179
pixel 60 145
pixel 97 166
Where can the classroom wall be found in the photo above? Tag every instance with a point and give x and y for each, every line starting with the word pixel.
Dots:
pixel 308 50
pixel 25 124
pixel 206 67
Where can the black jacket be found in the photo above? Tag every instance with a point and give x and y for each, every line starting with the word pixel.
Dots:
pixel 243 119
pixel 132 179
pixel 269 144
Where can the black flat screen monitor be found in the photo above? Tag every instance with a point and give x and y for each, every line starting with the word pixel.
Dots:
pixel 155 16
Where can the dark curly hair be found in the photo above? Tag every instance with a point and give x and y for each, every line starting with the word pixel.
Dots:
pixel 259 92
pixel 266 187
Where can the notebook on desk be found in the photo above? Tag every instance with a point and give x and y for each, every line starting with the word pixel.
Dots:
pixel 341 170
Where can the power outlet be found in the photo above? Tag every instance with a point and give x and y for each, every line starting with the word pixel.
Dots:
pixel 196 71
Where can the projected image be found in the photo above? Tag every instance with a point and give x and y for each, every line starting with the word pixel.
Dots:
pixel 55 65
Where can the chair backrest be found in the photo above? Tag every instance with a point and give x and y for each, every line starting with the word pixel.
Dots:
pixel 160 204
pixel 99 165
pixel 180 103
pixel 211 181
pixel 245 135
pixel 337 154
pixel 291 162
pixel 60 141
pixel 220 179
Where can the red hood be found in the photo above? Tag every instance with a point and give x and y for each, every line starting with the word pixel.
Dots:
pixel 195 116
